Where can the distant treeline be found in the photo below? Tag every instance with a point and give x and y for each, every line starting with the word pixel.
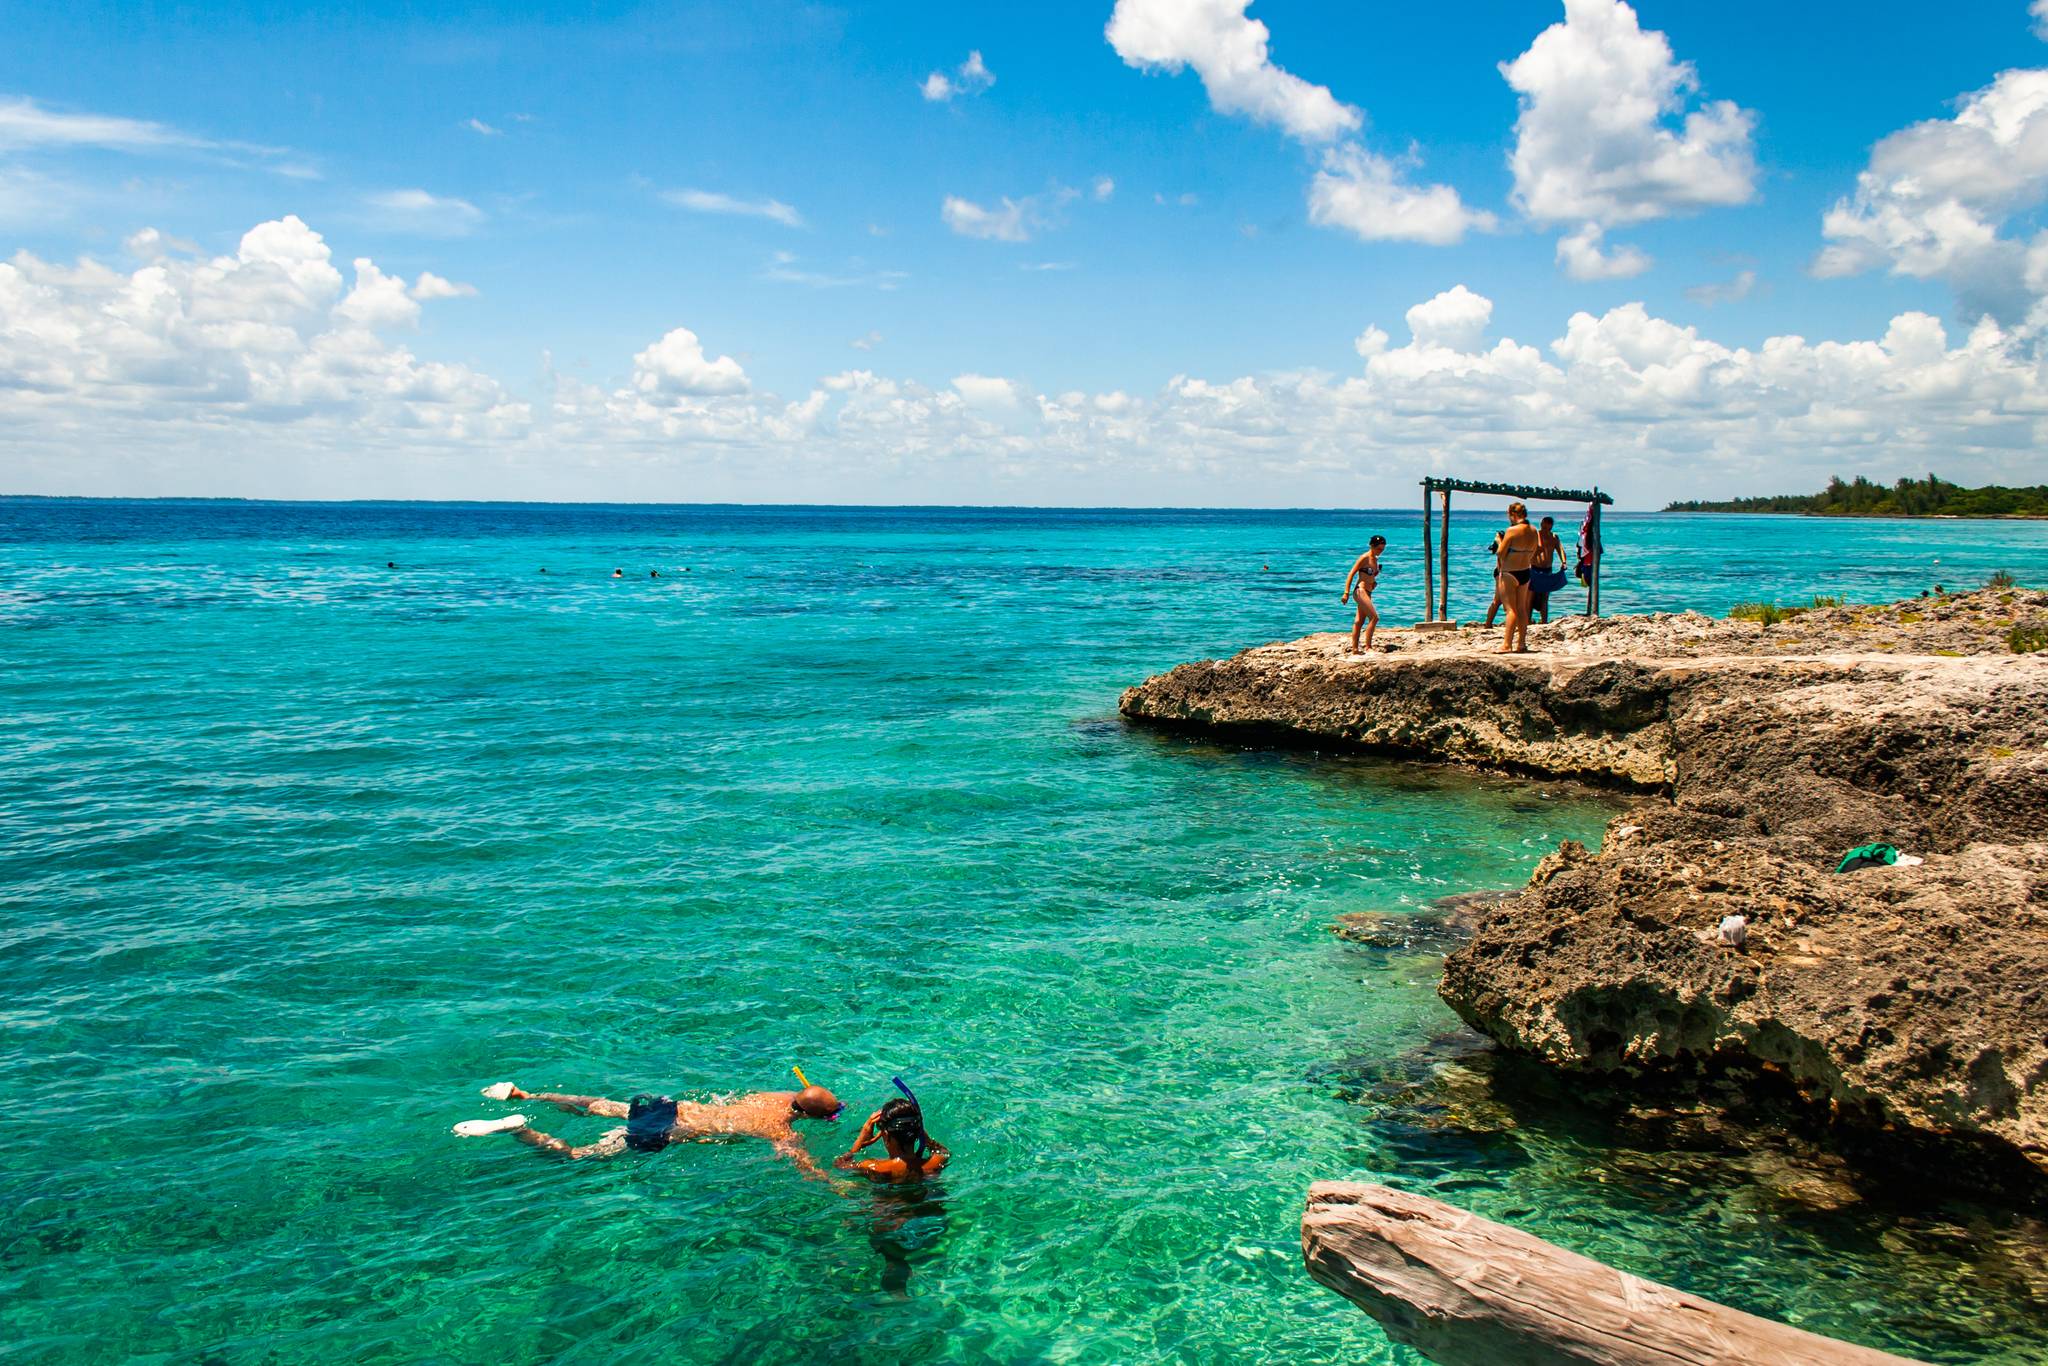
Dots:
pixel 1929 497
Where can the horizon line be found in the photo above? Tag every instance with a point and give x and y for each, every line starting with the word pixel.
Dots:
pixel 878 507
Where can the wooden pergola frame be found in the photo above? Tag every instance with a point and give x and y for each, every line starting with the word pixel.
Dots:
pixel 1436 601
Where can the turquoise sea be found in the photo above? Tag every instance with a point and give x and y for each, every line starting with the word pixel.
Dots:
pixel 315 819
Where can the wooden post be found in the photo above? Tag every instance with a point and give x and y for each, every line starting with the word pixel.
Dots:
pixel 1428 560
pixel 1444 578
pixel 1465 1291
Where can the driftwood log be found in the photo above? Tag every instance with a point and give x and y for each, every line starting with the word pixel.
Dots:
pixel 1465 1291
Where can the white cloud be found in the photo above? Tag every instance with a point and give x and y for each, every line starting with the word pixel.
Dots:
pixel 1582 258
pixel 432 286
pixel 1367 195
pixel 866 342
pixel 1104 187
pixel 710 201
pixel 479 126
pixel 1455 320
pixel 786 267
pixel 215 374
pixel 971 77
pixel 1045 265
pixel 986 391
pixel 247 341
pixel 1012 220
pixel 1933 201
pixel 430 215
pixel 1228 50
pixel 676 366
pixel 2039 9
pixel 25 124
pixel 1604 135
pixel 1729 291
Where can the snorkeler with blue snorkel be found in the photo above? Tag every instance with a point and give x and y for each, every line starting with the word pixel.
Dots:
pixel 899 1124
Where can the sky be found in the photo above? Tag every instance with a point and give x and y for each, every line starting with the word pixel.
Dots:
pixel 1127 252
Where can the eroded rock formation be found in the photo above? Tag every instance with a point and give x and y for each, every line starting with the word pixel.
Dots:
pixel 1911 999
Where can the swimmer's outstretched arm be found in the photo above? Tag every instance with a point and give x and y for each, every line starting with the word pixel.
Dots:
pixel 610 1145
pixel 793 1148
pixel 575 1105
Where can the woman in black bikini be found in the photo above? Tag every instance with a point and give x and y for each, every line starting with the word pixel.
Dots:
pixel 1519 545
pixel 1366 573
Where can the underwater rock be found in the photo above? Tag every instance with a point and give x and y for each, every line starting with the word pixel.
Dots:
pixel 1911 1003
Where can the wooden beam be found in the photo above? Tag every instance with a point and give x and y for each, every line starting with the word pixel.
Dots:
pixel 1465 1291
pixel 1528 492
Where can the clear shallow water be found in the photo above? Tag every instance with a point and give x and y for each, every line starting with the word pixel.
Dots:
pixel 298 851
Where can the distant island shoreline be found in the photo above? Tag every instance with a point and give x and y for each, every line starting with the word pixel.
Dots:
pixel 1860 497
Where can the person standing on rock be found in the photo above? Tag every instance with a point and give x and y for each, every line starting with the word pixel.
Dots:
pixel 1519 546
pixel 1548 553
pixel 1365 573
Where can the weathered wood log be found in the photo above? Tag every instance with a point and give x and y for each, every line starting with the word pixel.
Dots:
pixel 1465 1291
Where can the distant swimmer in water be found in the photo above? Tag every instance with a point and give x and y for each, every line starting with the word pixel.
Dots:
pixel 653 1122
pixel 654 573
pixel 391 564
pixel 913 1153
pixel 618 573
pixel 1366 573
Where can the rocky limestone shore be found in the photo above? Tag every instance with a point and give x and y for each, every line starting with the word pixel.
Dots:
pixel 1912 1002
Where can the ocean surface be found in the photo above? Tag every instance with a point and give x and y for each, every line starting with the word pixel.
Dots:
pixel 315 819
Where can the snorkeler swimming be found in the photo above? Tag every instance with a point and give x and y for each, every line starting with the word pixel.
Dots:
pixel 653 1122
pixel 913 1153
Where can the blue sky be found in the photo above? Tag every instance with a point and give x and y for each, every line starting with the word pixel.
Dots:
pixel 581 169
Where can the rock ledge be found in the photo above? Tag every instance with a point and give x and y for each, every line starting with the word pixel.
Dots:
pixel 1907 1000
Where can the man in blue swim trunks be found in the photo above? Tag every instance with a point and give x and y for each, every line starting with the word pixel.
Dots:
pixel 653 1122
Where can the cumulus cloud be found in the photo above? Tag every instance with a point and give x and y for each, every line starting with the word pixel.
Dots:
pixel 1369 196
pixel 264 336
pixel 1228 50
pixel 2039 9
pixel 677 367
pixel 1605 136
pixel 971 77
pixel 1582 258
pixel 278 353
pixel 1357 190
pixel 1454 320
pixel 710 201
pixel 1104 187
pixel 1935 197
pixel 986 391
pixel 429 215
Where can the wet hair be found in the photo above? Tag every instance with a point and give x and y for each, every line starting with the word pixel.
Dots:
pixel 1377 541
pixel 904 1122
pixel 1550 521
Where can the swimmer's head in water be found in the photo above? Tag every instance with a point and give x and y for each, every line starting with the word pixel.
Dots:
pixel 815 1102
pixel 903 1121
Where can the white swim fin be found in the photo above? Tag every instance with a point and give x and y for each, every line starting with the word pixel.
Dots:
pixel 501 1090
pixel 477 1128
